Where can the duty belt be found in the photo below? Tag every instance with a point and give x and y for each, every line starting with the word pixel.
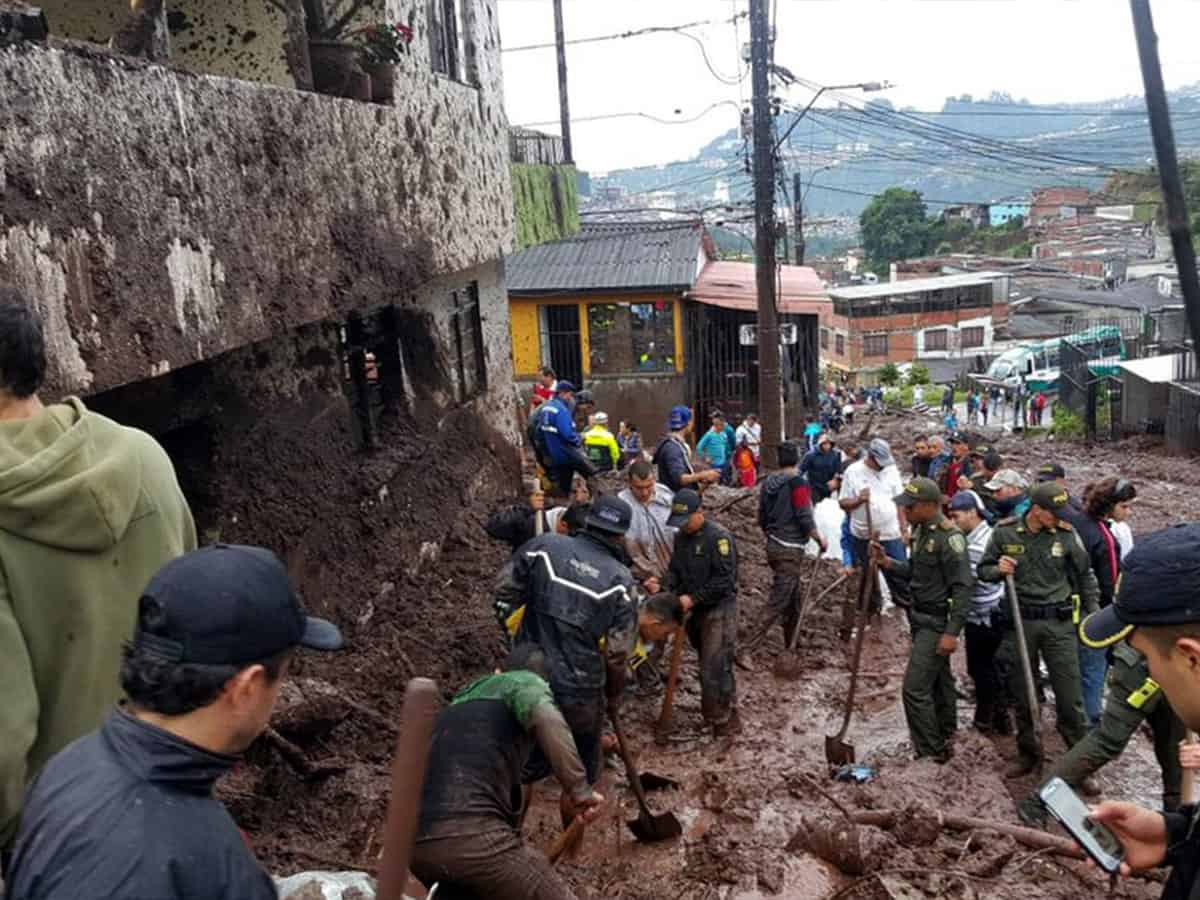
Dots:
pixel 1060 611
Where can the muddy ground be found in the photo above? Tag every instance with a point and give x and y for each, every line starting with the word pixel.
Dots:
pixel 742 801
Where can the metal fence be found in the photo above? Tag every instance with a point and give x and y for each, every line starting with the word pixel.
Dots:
pixel 1074 378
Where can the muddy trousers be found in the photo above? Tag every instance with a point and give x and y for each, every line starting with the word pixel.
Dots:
pixel 930 701
pixel 1054 642
pixel 786 565
pixel 713 633
pixel 1118 724
pixel 495 865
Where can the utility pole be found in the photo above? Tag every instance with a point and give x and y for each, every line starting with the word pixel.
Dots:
pixel 770 397
pixel 564 107
pixel 798 215
pixel 1168 166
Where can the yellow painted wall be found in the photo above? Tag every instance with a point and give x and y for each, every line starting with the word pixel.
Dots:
pixel 526 341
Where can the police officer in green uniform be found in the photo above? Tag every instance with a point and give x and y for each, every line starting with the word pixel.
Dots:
pixel 1133 698
pixel 939 573
pixel 1050 567
pixel 703 573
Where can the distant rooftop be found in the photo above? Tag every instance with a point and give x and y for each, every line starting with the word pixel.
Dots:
pixel 913 285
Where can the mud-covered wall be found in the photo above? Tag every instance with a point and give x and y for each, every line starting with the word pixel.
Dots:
pixel 158 217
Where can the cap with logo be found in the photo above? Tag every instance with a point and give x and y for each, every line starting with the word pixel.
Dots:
pixel 1049 495
pixel 964 500
pixel 919 490
pixel 881 451
pixel 1157 587
pixel 1050 471
pixel 981 450
pixel 1007 478
pixel 610 514
pixel 686 502
pixel 679 418
pixel 227 605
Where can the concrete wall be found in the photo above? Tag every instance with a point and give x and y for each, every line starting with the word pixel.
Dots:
pixel 158 218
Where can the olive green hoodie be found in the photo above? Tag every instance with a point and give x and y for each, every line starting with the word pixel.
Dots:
pixel 89 511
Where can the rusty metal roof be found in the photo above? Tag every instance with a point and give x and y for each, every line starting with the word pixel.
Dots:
pixel 612 256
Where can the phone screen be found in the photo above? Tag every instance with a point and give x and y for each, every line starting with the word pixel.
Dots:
pixel 1100 843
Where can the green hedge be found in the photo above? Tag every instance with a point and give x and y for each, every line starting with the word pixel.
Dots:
pixel 546 203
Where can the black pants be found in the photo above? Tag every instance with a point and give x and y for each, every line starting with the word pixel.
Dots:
pixel 713 632
pixel 563 473
pixel 991 694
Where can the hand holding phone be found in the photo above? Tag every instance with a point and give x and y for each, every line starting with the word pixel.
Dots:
pixel 1095 838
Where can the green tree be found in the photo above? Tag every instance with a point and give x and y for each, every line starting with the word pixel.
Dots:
pixel 894 226
pixel 918 374
pixel 889 375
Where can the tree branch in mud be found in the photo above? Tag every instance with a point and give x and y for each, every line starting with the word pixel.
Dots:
pixel 145 32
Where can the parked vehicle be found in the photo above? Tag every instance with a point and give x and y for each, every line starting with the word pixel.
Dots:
pixel 1038 363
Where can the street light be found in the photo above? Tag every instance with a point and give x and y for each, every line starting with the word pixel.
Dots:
pixel 865 86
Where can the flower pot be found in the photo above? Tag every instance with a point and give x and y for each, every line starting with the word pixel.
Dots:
pixel 337 71
pixel 383 82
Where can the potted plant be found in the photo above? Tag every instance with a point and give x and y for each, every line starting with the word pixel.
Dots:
pixel 382 45
pixel 318 55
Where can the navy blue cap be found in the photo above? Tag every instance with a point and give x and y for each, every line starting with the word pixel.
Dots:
pixel 564 387
pixel 679 418
pixel 227 605
pixel 611 514
pixel 964 500
pixel 685 503
pixel 1157 587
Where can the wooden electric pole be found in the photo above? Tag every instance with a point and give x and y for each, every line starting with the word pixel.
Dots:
pixel 770 397
pixel 798 215
pixel 564 107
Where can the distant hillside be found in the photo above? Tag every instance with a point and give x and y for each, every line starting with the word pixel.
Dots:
pixel 970 150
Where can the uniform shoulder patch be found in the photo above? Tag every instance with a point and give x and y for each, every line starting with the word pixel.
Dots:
pixel 957 543
pixel 723 546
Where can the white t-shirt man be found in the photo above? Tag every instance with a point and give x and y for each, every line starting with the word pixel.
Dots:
pixel 885 484
pixel 751 436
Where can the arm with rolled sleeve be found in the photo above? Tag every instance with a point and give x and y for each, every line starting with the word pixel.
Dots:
pixel 18 717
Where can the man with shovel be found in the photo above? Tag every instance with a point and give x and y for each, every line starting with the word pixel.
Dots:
pixel 703 574
pixel 785 515
pixel 940 578
pixel 1048 565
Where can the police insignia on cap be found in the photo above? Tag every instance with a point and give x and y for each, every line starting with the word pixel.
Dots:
pixel 1061 499
pixel 679 508
pixel 911 488
pixel 723 546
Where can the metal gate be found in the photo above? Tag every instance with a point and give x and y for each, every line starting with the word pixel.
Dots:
pixel 1073 378
pixel 560 334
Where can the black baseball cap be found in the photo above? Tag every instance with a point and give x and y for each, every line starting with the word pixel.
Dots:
pixel 227 605
pixel 1157 587
pixel 611 514
pixel 919 490
pixel 1050 471
pixel 957 437
pixel 686 502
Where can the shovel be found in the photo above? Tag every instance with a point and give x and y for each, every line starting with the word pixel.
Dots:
pixel 837 752
pixel 647 826
pixel 663 727
pixel 1035 711
pixel 788 664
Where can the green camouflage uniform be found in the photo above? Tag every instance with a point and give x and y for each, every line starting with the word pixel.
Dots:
pixel 1052 566
pixel 939 573
pixel 1133 698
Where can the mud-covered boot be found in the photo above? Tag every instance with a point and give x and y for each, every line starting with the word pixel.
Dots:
pixel 1032 812
pixel 1002 721
pixel 1089 787
pixel 1022 767
pixel 728 728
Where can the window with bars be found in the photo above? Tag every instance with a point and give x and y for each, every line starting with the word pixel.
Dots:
pixel 824 339
pixel 839 344
pixel 631 337
pixel 972 336
pixel 937 340
pixel 467 334
pixel 875 345
pixel 450 51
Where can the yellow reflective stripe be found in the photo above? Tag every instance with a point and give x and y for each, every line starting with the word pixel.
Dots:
pixel 1138 698
pixel 1075 613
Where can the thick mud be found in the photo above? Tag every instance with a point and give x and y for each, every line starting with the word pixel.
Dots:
pixel 744 802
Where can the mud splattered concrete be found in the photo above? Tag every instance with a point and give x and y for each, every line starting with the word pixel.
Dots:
pixel 741 801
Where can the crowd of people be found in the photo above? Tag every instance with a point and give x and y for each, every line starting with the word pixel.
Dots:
pixel 138 666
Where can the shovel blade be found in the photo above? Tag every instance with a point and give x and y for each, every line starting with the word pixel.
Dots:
pixel 655 782
pixel 649 828
pixel 837 751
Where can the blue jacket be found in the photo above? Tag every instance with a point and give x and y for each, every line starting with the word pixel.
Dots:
pixel 557 426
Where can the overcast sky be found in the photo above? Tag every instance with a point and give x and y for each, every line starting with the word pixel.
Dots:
pixel 1050 51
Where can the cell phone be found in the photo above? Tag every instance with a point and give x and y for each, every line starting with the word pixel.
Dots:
pixel 1099 842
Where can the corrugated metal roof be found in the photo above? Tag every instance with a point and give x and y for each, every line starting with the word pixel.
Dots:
pixel 620 256
pixel 912 285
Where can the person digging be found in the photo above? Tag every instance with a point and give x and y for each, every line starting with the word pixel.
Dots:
pixel 703 574
pixel 468 836
pixel 938 571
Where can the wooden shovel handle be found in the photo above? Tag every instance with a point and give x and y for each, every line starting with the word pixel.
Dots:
pixel 668 707
pixel 566 839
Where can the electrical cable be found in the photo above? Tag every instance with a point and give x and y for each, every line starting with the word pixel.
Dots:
pixel 621 35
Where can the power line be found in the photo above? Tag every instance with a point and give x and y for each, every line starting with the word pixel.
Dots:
pixel 638 115
pixel 637 32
